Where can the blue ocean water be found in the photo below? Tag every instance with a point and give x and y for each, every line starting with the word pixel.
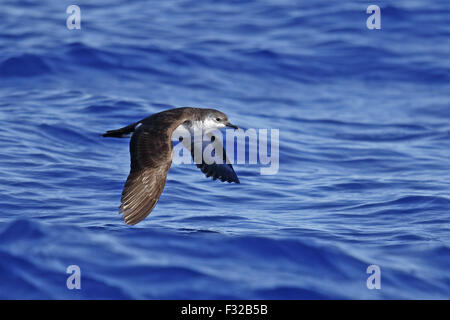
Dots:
pixel 364 149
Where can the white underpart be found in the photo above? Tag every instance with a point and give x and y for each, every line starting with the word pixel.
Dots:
pixel 204 128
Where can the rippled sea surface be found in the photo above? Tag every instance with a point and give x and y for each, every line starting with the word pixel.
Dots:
pixel 364 119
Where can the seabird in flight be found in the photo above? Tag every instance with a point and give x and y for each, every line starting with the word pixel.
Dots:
pixel 151 155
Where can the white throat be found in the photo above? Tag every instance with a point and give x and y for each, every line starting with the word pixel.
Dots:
pixel 205 126
pixel 209 124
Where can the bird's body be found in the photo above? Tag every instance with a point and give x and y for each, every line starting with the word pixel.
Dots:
pixel 151 153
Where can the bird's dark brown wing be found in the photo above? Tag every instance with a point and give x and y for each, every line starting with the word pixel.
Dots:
pixel 151 157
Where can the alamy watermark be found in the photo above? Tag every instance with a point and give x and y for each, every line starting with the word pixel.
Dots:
pixel 374 280
pixel 374 20
pixel 249 146
pixel 74 280
pixel 74 20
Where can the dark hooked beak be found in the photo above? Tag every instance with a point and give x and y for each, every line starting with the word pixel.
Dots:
pixel 228 124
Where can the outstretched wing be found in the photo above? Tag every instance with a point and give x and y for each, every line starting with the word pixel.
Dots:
pixel 223 171
pixel 151 157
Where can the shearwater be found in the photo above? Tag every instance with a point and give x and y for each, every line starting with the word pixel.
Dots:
pixel 151 153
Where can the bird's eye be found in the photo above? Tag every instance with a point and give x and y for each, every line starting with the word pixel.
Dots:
pixel 218 119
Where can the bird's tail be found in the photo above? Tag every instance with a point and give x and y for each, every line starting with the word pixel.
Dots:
pixel 120 133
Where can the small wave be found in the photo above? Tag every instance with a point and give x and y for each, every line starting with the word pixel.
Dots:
pixel 25 65
pixel 421 201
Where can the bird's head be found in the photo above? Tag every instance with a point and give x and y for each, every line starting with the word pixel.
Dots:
pixel 214 119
